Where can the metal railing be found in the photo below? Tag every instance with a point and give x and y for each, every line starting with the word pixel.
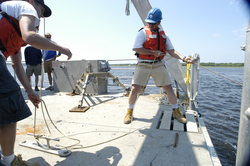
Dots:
pixel 113 68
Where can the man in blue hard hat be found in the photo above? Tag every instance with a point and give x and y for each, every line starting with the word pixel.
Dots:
pixel 18 22
pixel 151 45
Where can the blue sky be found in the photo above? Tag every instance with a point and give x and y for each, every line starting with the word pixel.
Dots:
pixel 99 29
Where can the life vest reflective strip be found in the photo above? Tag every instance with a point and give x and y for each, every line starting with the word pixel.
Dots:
pixel 152 43
pixel 10 36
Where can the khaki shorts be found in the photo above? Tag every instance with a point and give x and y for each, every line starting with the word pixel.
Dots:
pixel 48 66
pixel 36 69
pixel 158 72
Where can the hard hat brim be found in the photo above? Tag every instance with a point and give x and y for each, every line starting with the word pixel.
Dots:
pixel 151 21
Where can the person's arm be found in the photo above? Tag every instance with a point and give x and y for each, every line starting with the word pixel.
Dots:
pixel 177 55
pixel 19 70
pixel 59 54
pixel 29 35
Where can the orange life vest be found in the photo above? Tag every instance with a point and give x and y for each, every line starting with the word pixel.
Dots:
pixel 155 41
pixel 10 36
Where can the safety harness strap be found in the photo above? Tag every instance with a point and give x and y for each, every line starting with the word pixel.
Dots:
pixel 159 41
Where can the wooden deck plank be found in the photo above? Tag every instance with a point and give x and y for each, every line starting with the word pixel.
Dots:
pixel 166 120
pixel 191 122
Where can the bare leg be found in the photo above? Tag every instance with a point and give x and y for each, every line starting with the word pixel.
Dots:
pixel 50 78
pixel 170 94
pixel 8 138
pixel 133 94
pixel 36 80
pixel 131 101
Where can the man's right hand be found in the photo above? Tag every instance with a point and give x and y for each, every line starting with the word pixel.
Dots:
pixel 158 53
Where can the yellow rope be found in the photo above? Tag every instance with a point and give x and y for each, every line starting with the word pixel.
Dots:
pixel 188 78
pixel 188 74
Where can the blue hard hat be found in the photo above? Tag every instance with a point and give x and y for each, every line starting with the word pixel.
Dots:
pixel 154 15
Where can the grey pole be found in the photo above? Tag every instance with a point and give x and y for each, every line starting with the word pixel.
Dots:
pixel 243 148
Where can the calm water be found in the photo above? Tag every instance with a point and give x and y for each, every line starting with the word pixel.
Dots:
pixel 219 102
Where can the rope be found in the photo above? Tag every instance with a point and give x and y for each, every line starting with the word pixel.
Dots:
pixel 188 75
pixel 55 127
pixel 218 74
pixel 41 84
pixel 42 76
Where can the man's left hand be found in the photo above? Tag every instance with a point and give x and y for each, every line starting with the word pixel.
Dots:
pixel 34 98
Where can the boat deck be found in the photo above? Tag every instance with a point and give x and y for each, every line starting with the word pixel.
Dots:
pixel 152 139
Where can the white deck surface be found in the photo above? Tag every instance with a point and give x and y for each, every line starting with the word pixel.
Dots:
pixel 145 145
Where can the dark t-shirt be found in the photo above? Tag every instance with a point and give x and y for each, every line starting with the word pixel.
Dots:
pixel 33 56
